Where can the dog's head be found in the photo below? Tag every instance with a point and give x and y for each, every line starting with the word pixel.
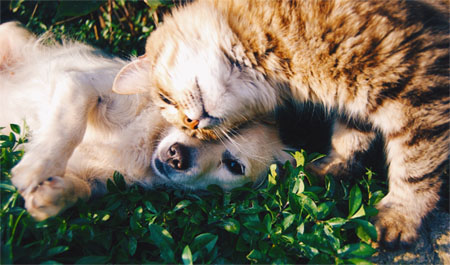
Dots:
pixel 190 163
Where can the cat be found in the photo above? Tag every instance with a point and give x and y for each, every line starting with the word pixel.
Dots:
pixel 81 132
pixel 383 65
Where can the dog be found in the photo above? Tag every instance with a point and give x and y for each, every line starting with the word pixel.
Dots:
pixel 80 132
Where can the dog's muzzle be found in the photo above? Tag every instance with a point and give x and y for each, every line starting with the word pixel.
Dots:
pixel 175 160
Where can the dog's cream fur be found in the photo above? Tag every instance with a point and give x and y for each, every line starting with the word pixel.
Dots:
pixel 81 132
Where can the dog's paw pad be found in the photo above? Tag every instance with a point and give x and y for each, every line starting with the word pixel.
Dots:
pixel 49 198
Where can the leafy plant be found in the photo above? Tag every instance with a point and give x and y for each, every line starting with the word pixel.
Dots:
pixel 294 219
pixel 119 27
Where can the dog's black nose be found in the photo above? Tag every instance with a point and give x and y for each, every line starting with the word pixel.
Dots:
pixel 178 156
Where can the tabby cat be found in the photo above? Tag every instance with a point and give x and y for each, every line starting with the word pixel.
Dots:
pixel 383 64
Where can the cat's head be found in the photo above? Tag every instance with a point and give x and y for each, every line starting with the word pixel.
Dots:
pixel 201 78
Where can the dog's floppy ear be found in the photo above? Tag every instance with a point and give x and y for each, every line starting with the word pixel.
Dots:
pixel 133 78
pixel 13 38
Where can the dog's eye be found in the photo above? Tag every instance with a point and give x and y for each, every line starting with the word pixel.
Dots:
pixel 165 99
pixel 234 166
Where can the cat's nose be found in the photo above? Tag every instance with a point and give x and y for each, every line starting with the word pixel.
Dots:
pixel 178 157
pixel 191 124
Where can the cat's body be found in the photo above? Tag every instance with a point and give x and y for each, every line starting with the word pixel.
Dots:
pixel 383 64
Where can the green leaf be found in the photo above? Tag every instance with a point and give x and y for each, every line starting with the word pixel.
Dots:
pixel 337 222
pixel 315 156
pixel 324 209
pixel 299 158
pixel 15 5
pixel 355 200
pixel 12 138
pixel 132 245
pixel 376 197
pixel 149 206
pixel 111 186
pixel 267 221
pixel 15 128
pixel 365 230
pixel 231 225
pixel 272 178
pixel 254 255
pixel 56 250
pixel 321 258
pixel 330 186
pixel 294 203
pixel 205 240
pixel 287 220
pixel 7 187
pixel 163 240
pixel 290 239
pixel 316 241
pixel 334 241
pixel 357 250
pixel 308 204
pixel 299 186
pixel 119 181
pixel 360 213
pixel 256 226
pixel 301 228
pixel 181 205
pixel 370 211
pixel 186 256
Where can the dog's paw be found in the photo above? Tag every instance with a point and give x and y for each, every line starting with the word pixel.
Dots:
pixel 23 178
pixel 31 172
pixel 50 197
pixel 395 228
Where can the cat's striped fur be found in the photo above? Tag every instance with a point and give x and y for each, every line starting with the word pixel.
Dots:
pixel 385 64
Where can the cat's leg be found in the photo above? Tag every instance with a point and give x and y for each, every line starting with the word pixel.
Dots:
pixel 56 194
pixel 347 144
pixel 417 161
pixel 61 131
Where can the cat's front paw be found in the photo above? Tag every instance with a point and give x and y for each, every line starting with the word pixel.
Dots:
pixel 395 227
pixel 330 165
pixel 50 197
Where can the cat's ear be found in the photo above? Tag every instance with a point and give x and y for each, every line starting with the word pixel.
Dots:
pixel 133 78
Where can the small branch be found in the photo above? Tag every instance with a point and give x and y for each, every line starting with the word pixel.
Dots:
pixel 34 10
pixel 66 20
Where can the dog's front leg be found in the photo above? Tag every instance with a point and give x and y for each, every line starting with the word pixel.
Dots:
pixel 62 129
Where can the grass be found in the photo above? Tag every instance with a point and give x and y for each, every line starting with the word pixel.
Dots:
pixel 294 219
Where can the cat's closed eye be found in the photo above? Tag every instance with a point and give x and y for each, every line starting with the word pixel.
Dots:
pixel 165 99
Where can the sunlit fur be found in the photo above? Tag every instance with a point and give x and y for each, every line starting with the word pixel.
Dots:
pixel 81 132
pixel 383 64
